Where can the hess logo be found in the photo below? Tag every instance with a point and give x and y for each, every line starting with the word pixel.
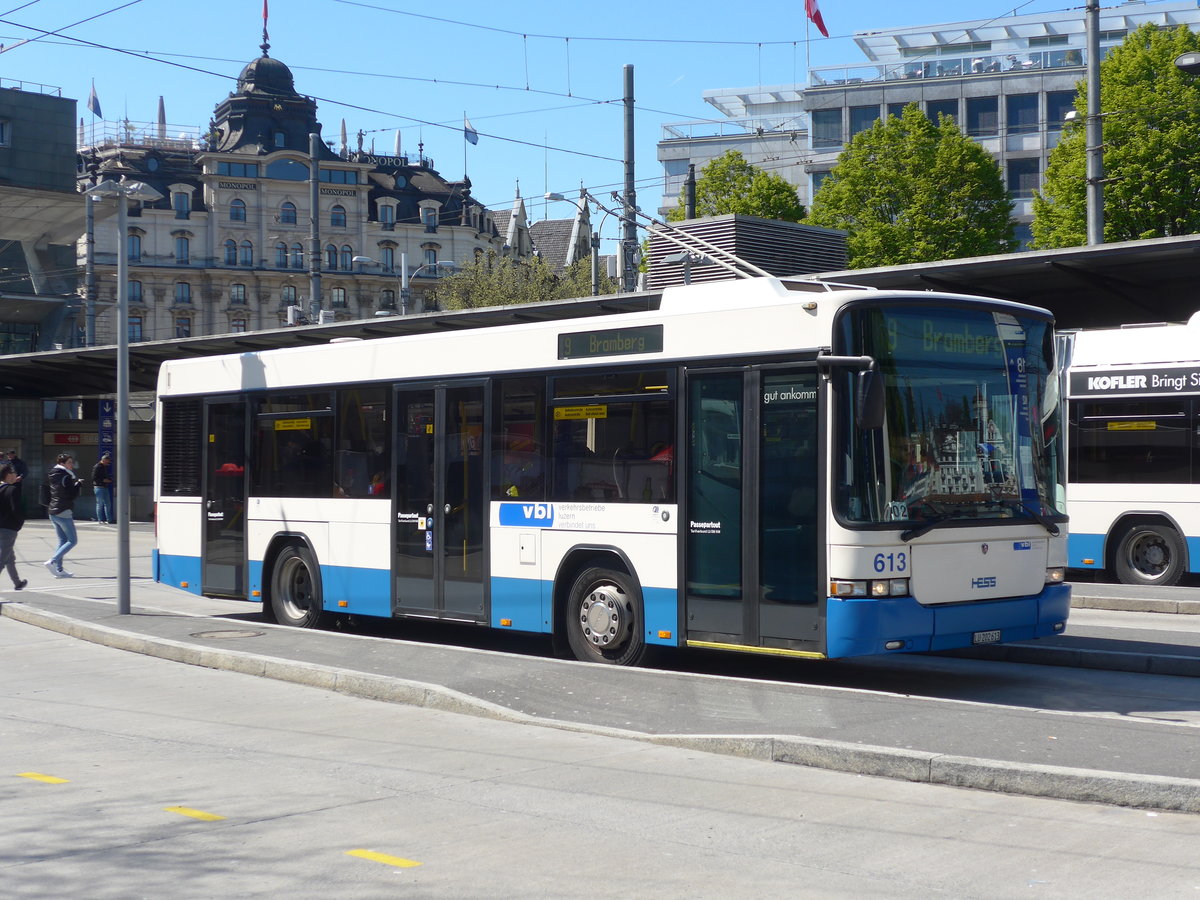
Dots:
pixel 984 581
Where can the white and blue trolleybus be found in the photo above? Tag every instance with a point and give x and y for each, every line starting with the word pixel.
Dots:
pixel 765 465
pixel 1134 451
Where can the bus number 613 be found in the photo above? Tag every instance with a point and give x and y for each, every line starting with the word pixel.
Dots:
pixel 891 562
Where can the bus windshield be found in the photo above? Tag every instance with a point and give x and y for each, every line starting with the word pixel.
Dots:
pixel 971 419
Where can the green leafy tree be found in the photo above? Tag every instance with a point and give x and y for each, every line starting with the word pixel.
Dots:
pixel 909 191
pixel 493 280
pixel 1151 116
pixel 729 184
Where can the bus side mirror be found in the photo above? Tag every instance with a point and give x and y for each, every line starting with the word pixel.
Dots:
pixel 868 404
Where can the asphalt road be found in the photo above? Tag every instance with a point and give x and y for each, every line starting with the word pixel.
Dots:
pixel 1114 737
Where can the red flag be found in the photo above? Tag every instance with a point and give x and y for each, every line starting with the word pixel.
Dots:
pixel 265 20
pixel 814 13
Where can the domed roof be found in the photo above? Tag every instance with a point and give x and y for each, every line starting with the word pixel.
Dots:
pixel 266 75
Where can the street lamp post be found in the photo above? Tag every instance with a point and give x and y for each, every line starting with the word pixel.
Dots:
pixel 403 277
pixel 123 192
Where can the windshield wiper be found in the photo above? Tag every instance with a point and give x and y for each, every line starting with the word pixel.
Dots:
pixel 925 527
pixel 1043 520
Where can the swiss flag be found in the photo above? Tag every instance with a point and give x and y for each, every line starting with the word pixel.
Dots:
pixel 814 13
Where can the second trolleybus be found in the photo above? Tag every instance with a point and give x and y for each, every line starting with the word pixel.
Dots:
pixel 774 466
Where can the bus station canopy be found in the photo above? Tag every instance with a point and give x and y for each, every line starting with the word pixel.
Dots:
pixel 1085 287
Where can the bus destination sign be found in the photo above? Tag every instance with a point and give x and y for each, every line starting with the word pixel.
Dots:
pixel 1136 382
pixel 611 342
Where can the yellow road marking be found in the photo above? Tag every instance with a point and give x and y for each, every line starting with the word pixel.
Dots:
pixel 38 776
pixel 194 813
pixel 397 861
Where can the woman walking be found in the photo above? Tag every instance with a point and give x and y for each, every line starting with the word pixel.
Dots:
pixel 64 488
pixel 12 517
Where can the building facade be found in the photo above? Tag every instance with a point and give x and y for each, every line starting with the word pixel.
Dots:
pixel 230 246
pixel 1009 82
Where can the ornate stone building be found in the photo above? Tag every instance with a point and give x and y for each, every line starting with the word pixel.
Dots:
pixel 229 247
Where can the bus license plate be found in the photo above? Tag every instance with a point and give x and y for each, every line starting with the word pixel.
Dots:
pixel 985 637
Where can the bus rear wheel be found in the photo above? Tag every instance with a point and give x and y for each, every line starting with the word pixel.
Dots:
pixel 1149 554
pixel 296 588
pixel 604 621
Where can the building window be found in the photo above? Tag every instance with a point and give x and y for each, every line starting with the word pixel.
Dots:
pixel 338 176
pixel 281 256
pixel 237 211
pixel 337 217
pixel 983 116
pixel 936 108
pixel 5 132
pixel 387 216
pixel 862 118
pixel 896 109
pixel 182 202
pixel 246 257
pixel 331 258
pixel 431 261
pixel 182 251
pixel 337 298
pixel 347 258
pixel 287 213
pixel 288 295
pixel 237 294
pixel 238 170
pixel 230 252
pixel 818 179
pixel 183 327
pixel 134 290
pixel 1023 176
pixel 1022 112
pixel 387 258
pixel 279 139
pixel 826 128
pixel 237 326
pixel 135 248
pixel 297 256
pixel 429 218
pixel 183 292
pixel 1058 104
pixel 134 324
pixel 387 299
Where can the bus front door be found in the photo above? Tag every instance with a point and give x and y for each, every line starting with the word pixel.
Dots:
pixel 440 510
pixel 753 526
pixel 224 555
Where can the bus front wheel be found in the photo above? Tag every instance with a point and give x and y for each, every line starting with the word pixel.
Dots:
pixel 604 622
pixel 1149 554
pixel 296 588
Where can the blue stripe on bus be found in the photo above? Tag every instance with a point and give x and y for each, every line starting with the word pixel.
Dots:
pixel 367 592
pixel 1193 545
pixel 1085 546
pixel 177 571
pixel 861 626
pixel 528 602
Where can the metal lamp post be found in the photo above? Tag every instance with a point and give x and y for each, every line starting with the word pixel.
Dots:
pixel 403 277
pixel 123 192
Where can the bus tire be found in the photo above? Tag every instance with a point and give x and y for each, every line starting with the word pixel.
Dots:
pixel 1149 554
pixel 604 618
pixel 296 588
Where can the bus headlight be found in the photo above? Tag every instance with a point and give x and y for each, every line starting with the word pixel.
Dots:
pixel 1056 575
pixel 839 588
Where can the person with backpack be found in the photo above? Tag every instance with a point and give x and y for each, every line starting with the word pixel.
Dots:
pixel 64 488
pixel 12 517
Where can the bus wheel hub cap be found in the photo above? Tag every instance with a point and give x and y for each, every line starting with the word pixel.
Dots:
pixel 604 617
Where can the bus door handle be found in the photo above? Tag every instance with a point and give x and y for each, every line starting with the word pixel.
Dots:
pixel 429 509
pixel 446 509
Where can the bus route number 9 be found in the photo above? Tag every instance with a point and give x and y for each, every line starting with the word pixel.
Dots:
pixel 891 562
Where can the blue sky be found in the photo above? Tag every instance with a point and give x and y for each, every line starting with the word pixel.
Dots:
pixel 540 81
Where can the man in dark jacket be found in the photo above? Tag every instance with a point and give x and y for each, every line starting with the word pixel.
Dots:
pixel 64 488
pixel 12 517
pixel 102 482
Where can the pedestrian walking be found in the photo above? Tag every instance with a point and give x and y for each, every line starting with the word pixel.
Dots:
pixel 17 463
pixel 12 517
pixel 64 488
pixel 102 482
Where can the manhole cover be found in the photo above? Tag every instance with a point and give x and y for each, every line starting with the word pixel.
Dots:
pixel 225 635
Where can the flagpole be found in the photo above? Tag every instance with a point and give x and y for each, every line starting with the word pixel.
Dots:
pixel 465 142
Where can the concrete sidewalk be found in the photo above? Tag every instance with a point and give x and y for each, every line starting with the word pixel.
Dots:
pixel 1121 757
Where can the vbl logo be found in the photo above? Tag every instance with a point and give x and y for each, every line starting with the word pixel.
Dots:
pixel 987 581
pixel 541 514
pixel 537 511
